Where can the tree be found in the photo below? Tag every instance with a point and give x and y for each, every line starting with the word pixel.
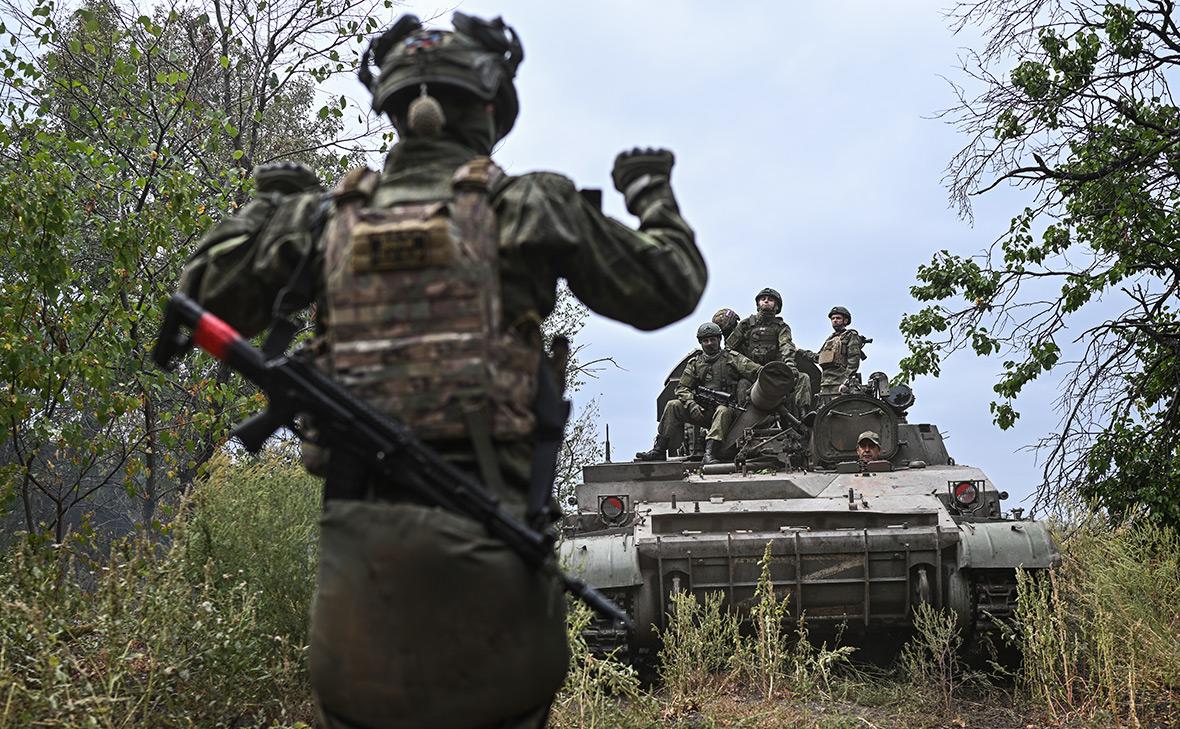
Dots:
pixel 123 135
pixel 580 447
pixel 1075 109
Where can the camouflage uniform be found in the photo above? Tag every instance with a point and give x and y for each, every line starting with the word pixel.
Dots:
pixel 724 371
pixel 421 619
pixel 767 338
pixel 839 358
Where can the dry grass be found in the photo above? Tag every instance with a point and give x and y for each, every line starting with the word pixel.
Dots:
pixel 210 632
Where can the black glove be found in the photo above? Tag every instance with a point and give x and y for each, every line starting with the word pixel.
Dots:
pixel 630 166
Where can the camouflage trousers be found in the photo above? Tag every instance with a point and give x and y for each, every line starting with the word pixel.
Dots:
pixel 832 378
pixel 677 413
pixel 422 620
pixel 802 396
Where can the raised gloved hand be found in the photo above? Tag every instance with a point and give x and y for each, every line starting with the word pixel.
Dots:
pixel 634 164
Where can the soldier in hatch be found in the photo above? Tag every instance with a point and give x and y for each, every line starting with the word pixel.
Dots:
pixel 430 281
pixel 714 368
pixel 841 353
pixel 868 447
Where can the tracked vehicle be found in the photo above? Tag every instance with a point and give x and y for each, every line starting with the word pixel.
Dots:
pixel 853 544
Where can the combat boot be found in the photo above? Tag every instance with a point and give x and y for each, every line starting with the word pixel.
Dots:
pixel 712 452
pixel 658 452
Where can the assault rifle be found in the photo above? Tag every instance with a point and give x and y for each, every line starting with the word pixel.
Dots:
pixel 297 391
pixel 716 397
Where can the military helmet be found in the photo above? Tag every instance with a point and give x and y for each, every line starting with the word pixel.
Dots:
pixel 479 56
pixel 841 310
pixel 772 294
pixel 708 329
pixel 727 320
pixel 285 177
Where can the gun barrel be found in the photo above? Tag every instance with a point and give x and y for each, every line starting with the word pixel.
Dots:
pixel 775 382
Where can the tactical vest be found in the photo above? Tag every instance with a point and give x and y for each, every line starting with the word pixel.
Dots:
pixel 763 340
pixel 834 352
pixel 718 374
pixel 413 320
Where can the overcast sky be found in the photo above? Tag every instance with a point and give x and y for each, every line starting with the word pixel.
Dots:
pixel 807 159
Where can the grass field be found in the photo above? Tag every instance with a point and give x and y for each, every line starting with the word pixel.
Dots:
pixel 210 631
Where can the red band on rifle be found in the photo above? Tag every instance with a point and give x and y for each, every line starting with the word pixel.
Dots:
pixel 213 335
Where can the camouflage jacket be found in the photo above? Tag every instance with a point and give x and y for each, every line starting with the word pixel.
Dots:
pixel 763 340
pixel 647 278
pixel 722 373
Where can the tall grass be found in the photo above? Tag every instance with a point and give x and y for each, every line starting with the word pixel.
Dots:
pixel 192 635
pixel 1101 635
pixel 599 691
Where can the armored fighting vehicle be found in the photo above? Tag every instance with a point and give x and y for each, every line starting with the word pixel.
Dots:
pixel 853 544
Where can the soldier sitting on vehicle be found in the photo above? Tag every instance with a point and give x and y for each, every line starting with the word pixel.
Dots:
pixel 716 372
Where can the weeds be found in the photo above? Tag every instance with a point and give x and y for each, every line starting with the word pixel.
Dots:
pixel 931 657
pixel 699 645
pixel 598 691
pixel 1101 635
pixel 151 637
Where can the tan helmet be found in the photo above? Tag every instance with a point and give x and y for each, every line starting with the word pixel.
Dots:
pixel 727 319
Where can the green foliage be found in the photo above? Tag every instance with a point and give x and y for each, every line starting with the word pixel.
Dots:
pixel 123 136
pixel 258 522
pixel 763 659
pixel 1090 261
pixel 931 658
pixel 144 636
pixel 1099 636
pixel 599 691
pixel 698 645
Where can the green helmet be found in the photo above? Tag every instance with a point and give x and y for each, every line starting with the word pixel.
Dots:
pixel 479 57
pixel 708 329
pixel 772 294
pixel 841 310
pixel 285 177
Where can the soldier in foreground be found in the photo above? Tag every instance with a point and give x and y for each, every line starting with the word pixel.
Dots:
pixel 841 353
pixel 430 281
pixel 709 382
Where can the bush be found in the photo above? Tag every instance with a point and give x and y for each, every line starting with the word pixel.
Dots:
pixel 699 644
pixel 1101 635
pixel 257 522
pixel 598 691
pixel 152 636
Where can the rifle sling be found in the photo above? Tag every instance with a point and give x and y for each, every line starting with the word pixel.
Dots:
pixel 551 411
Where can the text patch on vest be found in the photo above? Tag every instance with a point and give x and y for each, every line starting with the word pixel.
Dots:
pixel 393 245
